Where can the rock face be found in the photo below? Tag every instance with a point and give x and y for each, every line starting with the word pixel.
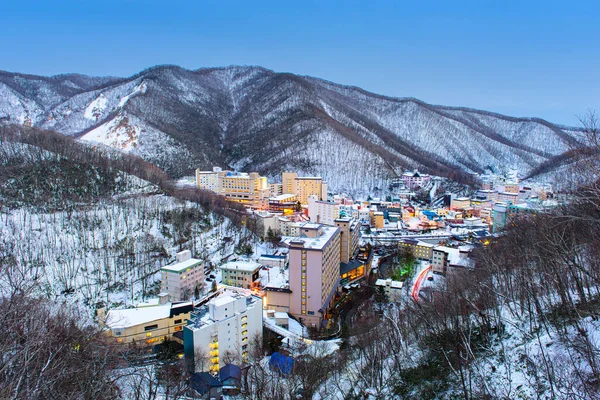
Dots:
pixel 251 118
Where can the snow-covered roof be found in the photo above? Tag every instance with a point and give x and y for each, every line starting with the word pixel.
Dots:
pixel 248 266
pixel 136 316
pixel 315 243
pixel 283 197
pixel 222 300
pixel 178 267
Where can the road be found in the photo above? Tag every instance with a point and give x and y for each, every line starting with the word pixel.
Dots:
pixel 418 281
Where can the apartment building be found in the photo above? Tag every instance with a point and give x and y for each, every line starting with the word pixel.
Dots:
pixel 180 279
pixel 148 323
pixel 249 189
pixel 243 274
pixel 223 326
pixel 314 265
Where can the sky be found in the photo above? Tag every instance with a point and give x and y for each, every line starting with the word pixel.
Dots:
pixel 523 58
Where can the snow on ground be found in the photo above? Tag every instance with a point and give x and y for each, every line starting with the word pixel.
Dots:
pixel 187 181
pixel 94 110
pixel 111 251
pixel 139 89
pixel 116 133
pixel 274 277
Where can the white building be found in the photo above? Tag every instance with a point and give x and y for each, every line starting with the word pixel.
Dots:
pixel 181 279
pixel 225 325
pixel 240 273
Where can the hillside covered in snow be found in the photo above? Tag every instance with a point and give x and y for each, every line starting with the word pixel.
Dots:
pixel 251 118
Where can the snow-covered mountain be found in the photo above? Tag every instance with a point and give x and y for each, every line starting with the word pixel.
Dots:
pixel 251 118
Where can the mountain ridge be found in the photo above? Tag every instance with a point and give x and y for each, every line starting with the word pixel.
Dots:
pixel 254 118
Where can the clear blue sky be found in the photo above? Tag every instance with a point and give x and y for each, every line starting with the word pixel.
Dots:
pixel 521 58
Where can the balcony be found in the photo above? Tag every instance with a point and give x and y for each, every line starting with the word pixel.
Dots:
pixel 214 345
pixel 214 353
pixel 215 360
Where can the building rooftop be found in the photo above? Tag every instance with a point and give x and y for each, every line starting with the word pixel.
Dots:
pixel 316 243
pixel 128 317
pixel 180 266
pixel 248 266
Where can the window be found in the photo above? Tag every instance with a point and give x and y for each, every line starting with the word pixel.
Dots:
pixel 151 327
pixel 177 321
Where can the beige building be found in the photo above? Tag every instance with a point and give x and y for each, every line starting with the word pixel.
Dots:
pixel 288 182
pixel 377 220
pixel 275 189
pixel 181 279
pixel 249 189
pixel 309 186
pixel 241 274
pixel 460 203
pixel 349 235
pixel 421 250
pixel 149 323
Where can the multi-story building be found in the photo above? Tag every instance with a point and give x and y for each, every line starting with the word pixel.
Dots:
pixel 284 203
pixel 314 267
pixel 460 203
pixel 182 278
pixel 208 180
pixel 322 212
pixel 508 197
pixel 242 274
pixel 415 179
pixel 499 216
pixel 377 220
pixel 419 249
pixel 249 189
pixel 148 323
pixel 288 182
pixel 445 257
pixel 275 189
pixel 308 186
pixel 349 235
pixel 224 327
pixel 520 211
